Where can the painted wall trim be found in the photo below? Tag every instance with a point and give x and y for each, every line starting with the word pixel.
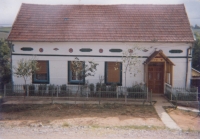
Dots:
pixel 89 55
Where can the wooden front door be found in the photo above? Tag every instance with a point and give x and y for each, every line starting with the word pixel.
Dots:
pixel 156 78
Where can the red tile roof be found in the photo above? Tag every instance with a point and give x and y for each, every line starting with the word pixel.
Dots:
pixel 105 23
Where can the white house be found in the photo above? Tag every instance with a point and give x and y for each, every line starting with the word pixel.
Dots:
pixel 55 34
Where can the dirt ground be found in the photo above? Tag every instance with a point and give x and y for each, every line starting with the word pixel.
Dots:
pixel 104 121
pixel 186 120
pixel 104 115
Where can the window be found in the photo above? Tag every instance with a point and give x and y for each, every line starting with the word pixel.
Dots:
pixel 175 51
pixel 115 50
pixel 26 49
pixel 85 50
pixel 74 76
pixel 113 73
pixel 42 75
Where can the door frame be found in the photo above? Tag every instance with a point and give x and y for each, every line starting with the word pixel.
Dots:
pixel 163 72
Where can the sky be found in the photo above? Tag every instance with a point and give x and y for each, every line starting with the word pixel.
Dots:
pixel 10 8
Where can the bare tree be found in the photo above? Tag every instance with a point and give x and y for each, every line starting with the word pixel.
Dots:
pixel 131 63
pixel 81 70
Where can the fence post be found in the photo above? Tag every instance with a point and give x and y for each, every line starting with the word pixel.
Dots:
pixel 99 96
pixel 147 93
pixel 117 91
pixel 151 97
pixel 27 89
pixel 171 93
pixel 4 90
pixel 125 95
pixel 87 91
pixel 197 94
pixel 52 92
pixel 57 91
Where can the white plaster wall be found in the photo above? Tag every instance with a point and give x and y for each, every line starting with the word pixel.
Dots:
pixel 58 59
pixel 95 46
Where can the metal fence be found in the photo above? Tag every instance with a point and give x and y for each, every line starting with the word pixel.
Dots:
pixel 181 94
pixel 78 92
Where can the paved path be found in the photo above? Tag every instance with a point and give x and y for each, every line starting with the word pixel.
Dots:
pixel 166 119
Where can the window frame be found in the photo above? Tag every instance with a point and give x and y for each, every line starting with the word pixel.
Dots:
pixel 76 82
pixel 34 80
pixel 106 73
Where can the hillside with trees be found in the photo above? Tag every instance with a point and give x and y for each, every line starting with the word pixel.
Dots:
pixel 196 53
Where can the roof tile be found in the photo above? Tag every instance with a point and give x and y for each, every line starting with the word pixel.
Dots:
pixel 142 23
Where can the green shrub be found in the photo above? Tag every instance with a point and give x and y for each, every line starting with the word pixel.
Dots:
pixel 136 92
pixel 136 88
pixel 137 95
pixel 186 97
pixel 193 89
pixel 52 89
pixel 112 87
pixel 106 92
pixel 9 90
pixel 41 89
pixel 98 87
pixel 91 87
pixel 31 88
pixel 101 87
pixel 63 90
pixel 92 93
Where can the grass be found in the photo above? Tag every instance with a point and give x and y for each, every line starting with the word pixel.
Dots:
pixel 196 30
pixel 65 125
pixel 191 130
pixel 5 29
pixel 184 112
pixel 137 127
pixel 142 127
pixel 3 35
pixel 4 32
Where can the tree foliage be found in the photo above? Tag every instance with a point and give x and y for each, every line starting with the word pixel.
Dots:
pixel 196 53
pixel 5 73
pixel 131 63
pixel 25 68
pixel 83 72
pixel 196 27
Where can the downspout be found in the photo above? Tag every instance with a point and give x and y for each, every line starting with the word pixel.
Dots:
pixel 187 66
pixel 144 73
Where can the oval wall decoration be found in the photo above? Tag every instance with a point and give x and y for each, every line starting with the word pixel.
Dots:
pixel 27 49
pixel 175 51
pixel 70 50
pixel 56 49
pixel 41 49
pixel 85 50
pixel 115 50
pixel 100 50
